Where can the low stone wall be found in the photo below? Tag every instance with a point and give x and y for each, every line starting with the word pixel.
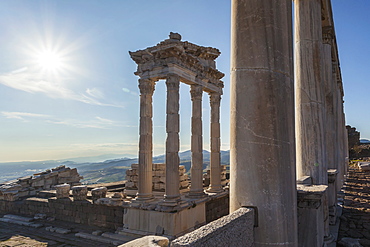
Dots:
pixel 84 212
pixel 234 230
pixel 217 207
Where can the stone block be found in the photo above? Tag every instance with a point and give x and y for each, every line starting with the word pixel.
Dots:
pixel 159 173
pixel 100 192
pixel 11 196
pixel 235 229
pixel 62 191
pixel 148 241
pixel 159 167
pixel 174 224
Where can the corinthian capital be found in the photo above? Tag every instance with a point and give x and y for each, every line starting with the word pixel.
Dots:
pixel 214 99
pixel 196 92
pixel 146 86
pixel 173 82
pixel 327 35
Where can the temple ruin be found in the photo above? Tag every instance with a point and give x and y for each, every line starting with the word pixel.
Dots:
pixel 288 140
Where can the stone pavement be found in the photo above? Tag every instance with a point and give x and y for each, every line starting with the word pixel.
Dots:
pixel 355 220
pixel 22 236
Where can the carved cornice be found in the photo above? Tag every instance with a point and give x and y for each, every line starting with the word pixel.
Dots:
pixel 196 92
pixel 173 51
pixel 146 86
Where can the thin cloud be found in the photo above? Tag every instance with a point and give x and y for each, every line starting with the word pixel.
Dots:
pixel 97 122
pixel 96 93
pixel 22 115
pixel 31 82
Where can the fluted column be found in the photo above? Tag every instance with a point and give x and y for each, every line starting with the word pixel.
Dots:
pixel 146 87
pixel 329 98
pixel 327 78
pixel 172 194
pixel 309 92
pixel 196 189
pixel 215 183
pixel 262 153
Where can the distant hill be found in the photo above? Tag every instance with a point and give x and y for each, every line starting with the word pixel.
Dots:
pixel 364 141
pixel 110 170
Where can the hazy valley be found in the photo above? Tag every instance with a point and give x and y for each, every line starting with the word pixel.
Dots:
pixel 98 169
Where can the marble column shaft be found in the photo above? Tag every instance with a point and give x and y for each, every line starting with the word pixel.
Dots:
pixel 341 139
pixel 196 188
pixel 172 193
pixel 215 183
pixel 327 78
pixel 262 153
pixel 145 170
pixel 309 95
pixel 330 137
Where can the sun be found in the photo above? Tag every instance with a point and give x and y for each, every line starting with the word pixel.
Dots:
pixel 49 60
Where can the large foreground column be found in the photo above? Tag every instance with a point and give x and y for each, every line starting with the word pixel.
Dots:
pixel 262 144
pixel 196 189
pixel 146 87
pixel 173 141
pixel 215 183
pixel 310 135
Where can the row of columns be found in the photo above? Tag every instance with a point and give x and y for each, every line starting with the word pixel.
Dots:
pixel 266 156
pixel 172 193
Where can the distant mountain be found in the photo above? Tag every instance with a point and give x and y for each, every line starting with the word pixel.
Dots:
pixel 364 141
pixel 110 170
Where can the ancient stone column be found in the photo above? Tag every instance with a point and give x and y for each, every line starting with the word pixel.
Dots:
pixel 262 156
pixel 196 189
pixel 172 194
pixel 341 126
pixel 215 183
pixel 327 68
pixel 145 192
pixel 309 100
pixel 327 78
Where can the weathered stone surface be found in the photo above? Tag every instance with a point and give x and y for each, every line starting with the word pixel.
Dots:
pixel 148 241
pixel 62 191
pixel 235 229
pixel 100 192
pixel 79 193
pixel 262 151
pixel 349 242
pixel 311 209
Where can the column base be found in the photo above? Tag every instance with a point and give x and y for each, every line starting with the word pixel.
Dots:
pixel 329 239
pixel 215 189
pixel 144 197
pixel 196 194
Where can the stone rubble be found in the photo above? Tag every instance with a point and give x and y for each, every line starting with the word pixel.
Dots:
pixel 31 185
pixel 355 220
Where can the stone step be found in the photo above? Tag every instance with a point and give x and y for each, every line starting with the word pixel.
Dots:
pixel 57 230
pixel 22 223
pixel 119 237
pixel 18 218
pixel 99 238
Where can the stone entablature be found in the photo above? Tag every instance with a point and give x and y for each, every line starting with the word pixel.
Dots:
pixel 193 63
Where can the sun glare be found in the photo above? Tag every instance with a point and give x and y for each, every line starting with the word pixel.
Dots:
pixel 49 60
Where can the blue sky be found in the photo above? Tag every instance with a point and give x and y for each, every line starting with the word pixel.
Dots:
pixel 86 102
